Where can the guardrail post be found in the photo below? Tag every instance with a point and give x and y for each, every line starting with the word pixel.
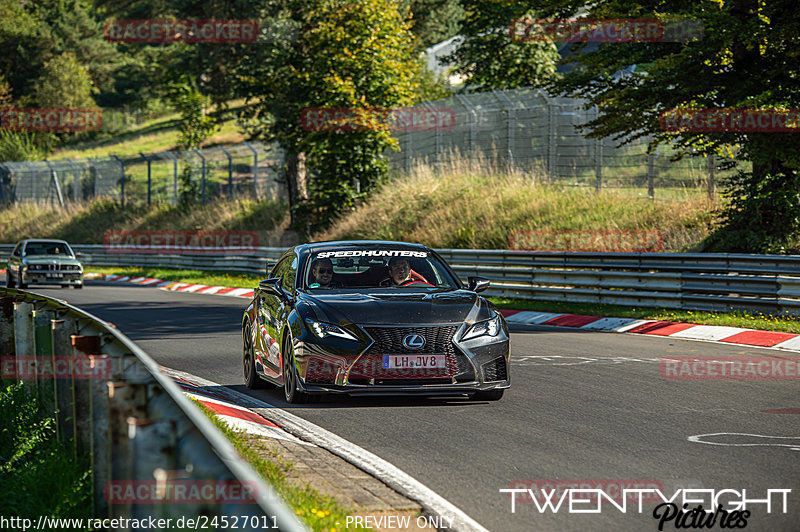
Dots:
pixel 124 400
pixel 44 381
pixel 83 349
pixel 23 334
pixel 101 466
pixel 7 347
pixel 153 453
pixel 65 389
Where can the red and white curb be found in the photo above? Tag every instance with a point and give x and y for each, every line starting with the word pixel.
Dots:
pixel 175 286
pixel 235 416
pixel 687 331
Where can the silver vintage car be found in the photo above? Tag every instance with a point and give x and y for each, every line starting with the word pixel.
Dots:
pixel 43 262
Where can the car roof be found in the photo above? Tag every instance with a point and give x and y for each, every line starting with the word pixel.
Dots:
pixel 43 240
pixel 348 244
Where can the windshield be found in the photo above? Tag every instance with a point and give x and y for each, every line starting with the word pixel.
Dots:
pixel 376 268
pixel 48 248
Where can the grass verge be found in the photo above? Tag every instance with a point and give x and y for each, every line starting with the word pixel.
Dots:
pixel 319 512
pixel 39 474
pixel 87 223
pixel 747 320
pixel 470 204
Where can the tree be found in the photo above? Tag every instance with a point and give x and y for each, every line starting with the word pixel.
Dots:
pixel 746 58
pixel 490 58
pixel 63 83
pixel 346 54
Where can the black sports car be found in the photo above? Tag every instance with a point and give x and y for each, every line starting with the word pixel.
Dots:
pixel 373 318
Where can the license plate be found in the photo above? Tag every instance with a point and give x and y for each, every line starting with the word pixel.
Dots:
pixel 414 361
pixel 55 275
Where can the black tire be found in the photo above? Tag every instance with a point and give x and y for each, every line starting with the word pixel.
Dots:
pixel 489 395
pixel 9 279
pixel 290 391
pixel 251 378
pixel 20 284
pixel 77 286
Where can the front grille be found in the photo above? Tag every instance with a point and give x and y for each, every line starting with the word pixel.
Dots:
pixel 495 370
pixel 389 341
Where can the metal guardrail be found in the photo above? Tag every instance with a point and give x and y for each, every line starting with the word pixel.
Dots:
pixel 695 281
pixel 132 420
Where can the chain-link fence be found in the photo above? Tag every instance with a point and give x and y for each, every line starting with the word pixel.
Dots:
pixel 517 131
pixel 247 170
pixel 527 131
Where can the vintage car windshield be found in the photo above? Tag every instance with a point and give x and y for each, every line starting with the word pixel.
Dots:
pixel 376 268
pixel 58 249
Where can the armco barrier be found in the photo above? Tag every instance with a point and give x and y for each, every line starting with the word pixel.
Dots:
pixel 133 420
pixel 698 281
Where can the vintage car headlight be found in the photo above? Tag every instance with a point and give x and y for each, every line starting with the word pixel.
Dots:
pixel 323 330
pixel 483 328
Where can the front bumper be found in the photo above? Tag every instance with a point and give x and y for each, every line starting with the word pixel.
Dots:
pixel 68 279
pixel 473 366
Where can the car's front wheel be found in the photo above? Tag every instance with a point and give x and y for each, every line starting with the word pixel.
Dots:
pixel 290 391
pixel 20 284
pixel 77 286
pixel 251 378
pixel 9 279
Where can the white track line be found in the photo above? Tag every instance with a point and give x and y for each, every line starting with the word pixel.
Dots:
pixel 361 458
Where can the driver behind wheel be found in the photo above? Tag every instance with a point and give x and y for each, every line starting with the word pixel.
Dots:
pixel 400 272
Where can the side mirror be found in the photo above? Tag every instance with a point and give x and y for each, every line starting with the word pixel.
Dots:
pixel 478 284
pixel 272 285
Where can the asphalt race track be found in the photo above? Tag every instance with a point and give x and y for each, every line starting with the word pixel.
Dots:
pixel 583 405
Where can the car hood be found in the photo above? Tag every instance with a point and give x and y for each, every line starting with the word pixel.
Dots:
pixel 49 259
pixel 382 308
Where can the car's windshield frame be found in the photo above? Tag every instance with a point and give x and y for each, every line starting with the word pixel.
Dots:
pixel 44 245
pixel 443 276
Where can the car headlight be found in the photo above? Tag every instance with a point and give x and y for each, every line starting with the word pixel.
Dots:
pixel 484 328
pixel 323 330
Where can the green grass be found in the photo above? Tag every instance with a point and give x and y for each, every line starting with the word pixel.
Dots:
pixel 88 223
pixel 475 206
pixel 766 322
pixel 38 474
pixel 319 512
pixel 233 280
